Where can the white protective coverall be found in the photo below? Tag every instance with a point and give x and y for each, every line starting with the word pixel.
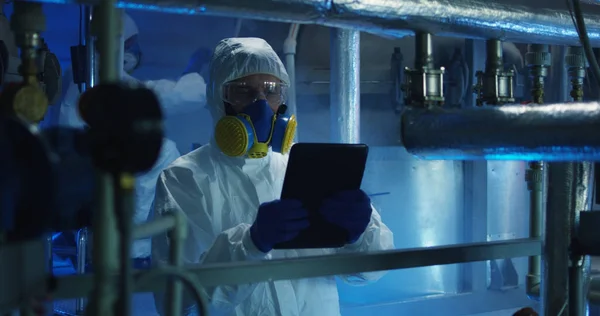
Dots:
pixel 220 196
pixel 185 95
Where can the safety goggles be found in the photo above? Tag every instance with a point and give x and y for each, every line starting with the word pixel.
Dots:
pixel 244 93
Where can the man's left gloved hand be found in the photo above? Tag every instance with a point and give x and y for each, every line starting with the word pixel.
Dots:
pixel 350 210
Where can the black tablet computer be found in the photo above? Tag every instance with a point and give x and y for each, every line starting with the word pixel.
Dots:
pixel 315 172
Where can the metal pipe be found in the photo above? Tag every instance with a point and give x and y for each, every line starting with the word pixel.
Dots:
pixel 107 24
pixel 495 85
pixel 577 298
pixel 559 76
pixel 82 243
pixel 154 227
pixel 90 45
pixel 311 267
pixel 175 289
pixel 581 187
pixel 535 183
pixel 554 132
pixel 109 41
pixel 423 85
pixel 569 192
pixel 509 20
pixel 82 234
pixel 494 55
pixel 538 60
pixel 104 251
pixel 424 49
pixel 289 50
pixel 124 211
pixel 345 86
pixel 576 65
pixel 558 226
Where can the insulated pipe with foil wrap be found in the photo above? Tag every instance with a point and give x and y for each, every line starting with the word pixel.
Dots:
pixel 345 86
pixel 506 20
pixel 553 132
pixel 565 275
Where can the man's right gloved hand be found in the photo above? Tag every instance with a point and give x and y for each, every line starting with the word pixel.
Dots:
pixel 276 222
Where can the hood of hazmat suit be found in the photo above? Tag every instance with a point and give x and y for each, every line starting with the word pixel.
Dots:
pixel 220 195
pixel 130 28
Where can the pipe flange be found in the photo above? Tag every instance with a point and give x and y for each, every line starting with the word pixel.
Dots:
pixel 543 59
pixel 576 61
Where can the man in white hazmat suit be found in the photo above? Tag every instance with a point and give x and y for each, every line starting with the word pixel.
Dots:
pixel 186 94
pixel 230 196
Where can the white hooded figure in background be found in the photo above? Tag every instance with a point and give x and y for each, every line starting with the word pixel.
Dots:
pixel 230 198
pixel 186 94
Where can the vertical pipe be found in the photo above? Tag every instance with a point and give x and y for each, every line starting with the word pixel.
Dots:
pixel 290 65
pixel 577 302
pixel 82 243
pixel 345 86
pixel 538 60
pixel 82 234
pixel 535 183
pixel 579 266
pixel 109 41
pixel 49 256
pixel 105 243
pixel 569 192
pixel 90 45
pixel 105 230
pixel 494 60
pixel 289 50
pixel 424 46
pixel 175 288
pixel 563 75
pixel 124 208
pixel 83 39
pixel 121 57
pixel 476 181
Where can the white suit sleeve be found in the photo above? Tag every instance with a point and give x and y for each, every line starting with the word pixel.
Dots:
pixel 185 95
pixel 376 237
pixel 177 190
pixel 146 183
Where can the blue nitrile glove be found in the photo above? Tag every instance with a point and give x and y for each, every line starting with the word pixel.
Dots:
pixel 350 210
pixel 198 60
pixel 276 222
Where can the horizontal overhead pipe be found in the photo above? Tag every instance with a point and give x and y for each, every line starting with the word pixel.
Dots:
pixel 509 20
pixel 554 132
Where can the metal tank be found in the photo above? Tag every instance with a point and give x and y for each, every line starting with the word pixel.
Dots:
pixel 422 203
pixel 507 218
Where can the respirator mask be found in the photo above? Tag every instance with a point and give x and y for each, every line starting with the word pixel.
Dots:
pixel 256 127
